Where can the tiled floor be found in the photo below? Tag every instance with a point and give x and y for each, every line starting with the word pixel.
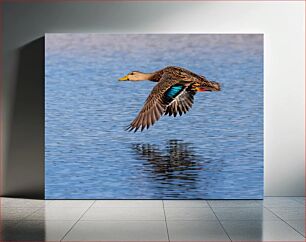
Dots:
pixel 274 219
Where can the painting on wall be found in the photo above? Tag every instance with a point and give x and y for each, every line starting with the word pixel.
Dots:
pixel 153 116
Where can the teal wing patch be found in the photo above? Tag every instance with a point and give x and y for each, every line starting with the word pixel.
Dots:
pixel 172 93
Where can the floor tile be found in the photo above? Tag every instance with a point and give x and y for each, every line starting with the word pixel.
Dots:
pixel 7 227
pixel 21 203
pixel 40 230
pixel 300 200
pixel 57 213
pixel 235 203
pixel 298 225
pixel 189 214
pixel 121 213
pixel 12 213
pixel 261 231
pixel 289 213
pixel 281 202
pixel 8 223
pixel 185 203
pixel 70 203
pixel 196 231
pixel 256 213
pixel 118 231
pixel 141 220
pixel 128 203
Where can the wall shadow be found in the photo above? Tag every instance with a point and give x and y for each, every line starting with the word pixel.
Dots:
pixel 25 159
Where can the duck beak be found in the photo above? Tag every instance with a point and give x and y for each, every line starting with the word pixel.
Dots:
pixel 125 78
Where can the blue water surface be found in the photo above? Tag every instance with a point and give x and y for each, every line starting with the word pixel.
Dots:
pixel 215 151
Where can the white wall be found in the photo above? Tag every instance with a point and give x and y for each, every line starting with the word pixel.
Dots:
pixel 283 25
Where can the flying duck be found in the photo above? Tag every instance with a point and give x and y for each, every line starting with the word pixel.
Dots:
pixel 172 95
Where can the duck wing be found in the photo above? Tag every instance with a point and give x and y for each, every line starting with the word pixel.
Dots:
pixel 181 103
pixel 164 93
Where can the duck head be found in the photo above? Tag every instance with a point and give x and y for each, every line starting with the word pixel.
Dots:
pixel 136 76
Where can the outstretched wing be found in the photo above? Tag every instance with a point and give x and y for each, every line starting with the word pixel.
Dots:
pixel 181 103
pixel 156 103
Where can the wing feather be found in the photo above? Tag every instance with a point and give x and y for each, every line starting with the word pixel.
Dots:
pixel 182 103
pixel 154 106
pixel 158 103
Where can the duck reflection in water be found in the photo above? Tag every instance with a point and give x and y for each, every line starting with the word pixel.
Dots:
pixel 177 161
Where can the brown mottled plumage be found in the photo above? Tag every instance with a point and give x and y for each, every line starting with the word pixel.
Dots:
pixel 162 100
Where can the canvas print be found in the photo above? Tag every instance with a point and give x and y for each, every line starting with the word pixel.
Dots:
pixel 153 116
